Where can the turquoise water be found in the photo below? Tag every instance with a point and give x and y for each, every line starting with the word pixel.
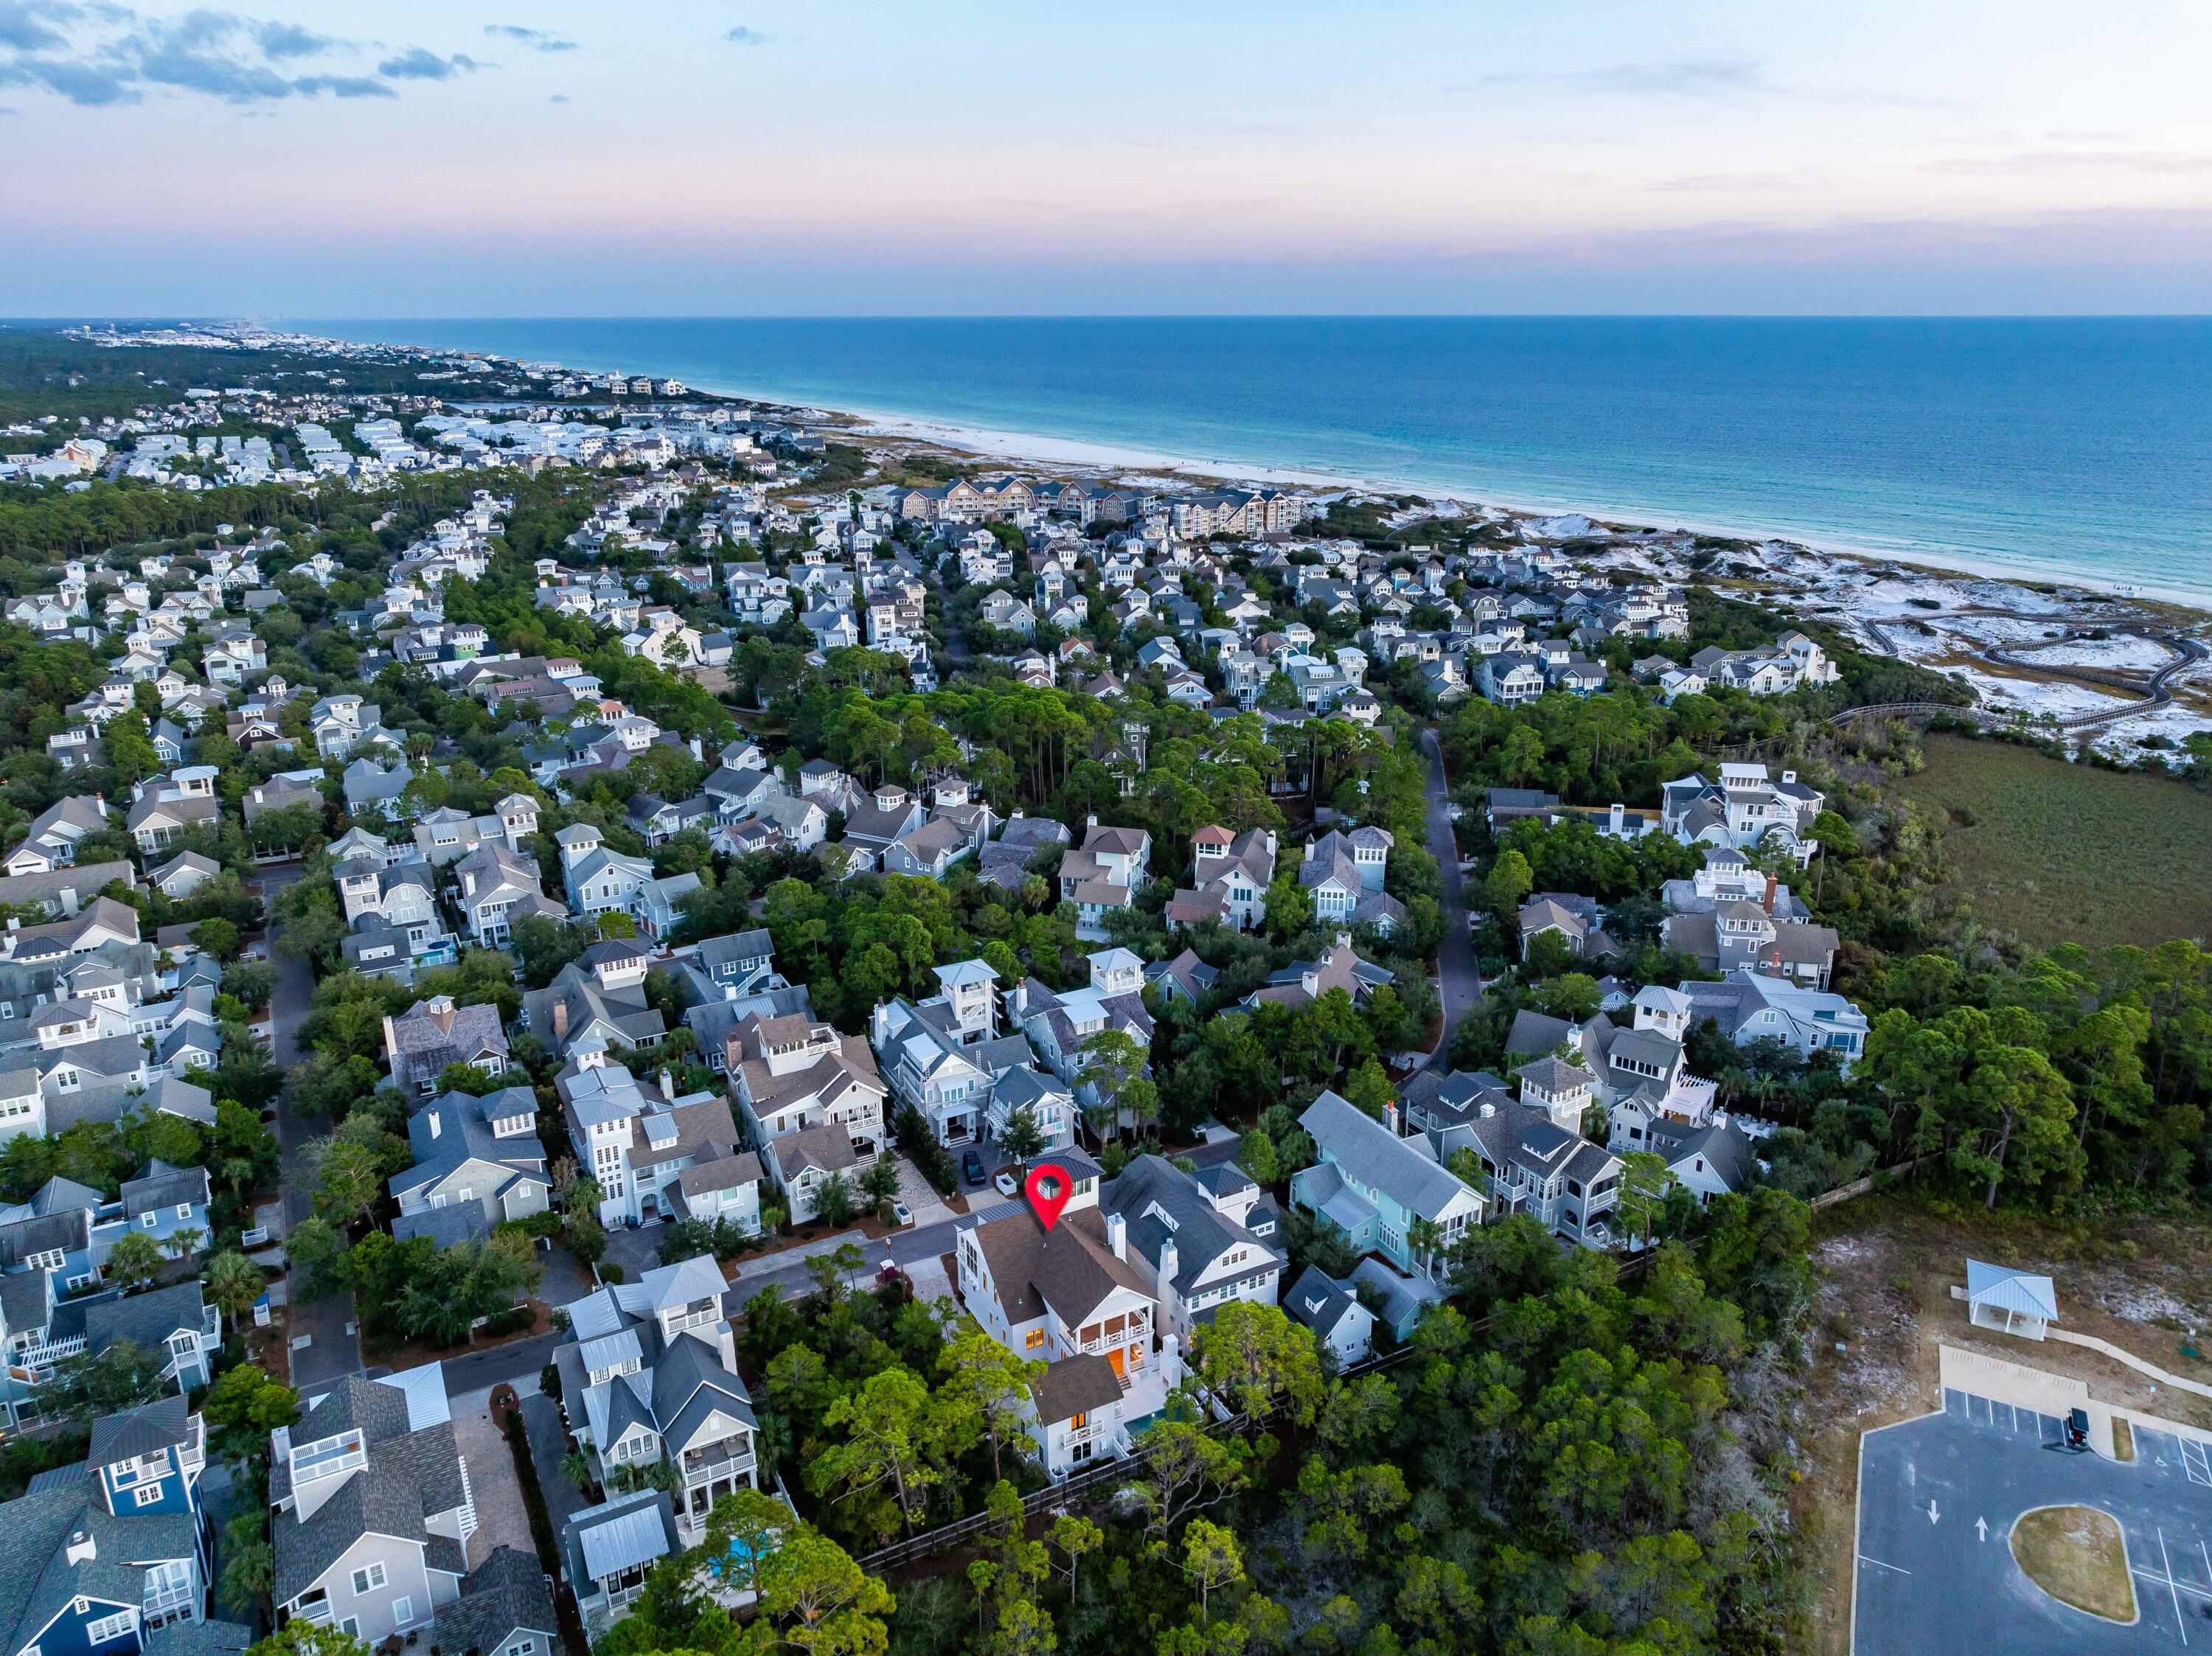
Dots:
pixel 2064 448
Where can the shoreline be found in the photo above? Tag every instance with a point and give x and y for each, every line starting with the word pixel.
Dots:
pixel 995 444
pixel 989 443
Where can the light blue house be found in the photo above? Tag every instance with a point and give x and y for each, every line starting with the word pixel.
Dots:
pixel 1373 1185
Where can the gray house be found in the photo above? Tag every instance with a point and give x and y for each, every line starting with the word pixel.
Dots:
pixel 477 1162
pixel 373 1512
pixel 505 1609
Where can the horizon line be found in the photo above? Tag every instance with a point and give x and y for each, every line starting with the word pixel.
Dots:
pixel 268 319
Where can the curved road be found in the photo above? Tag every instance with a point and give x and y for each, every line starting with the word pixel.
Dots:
pixel 1459 981
pixel 2154 691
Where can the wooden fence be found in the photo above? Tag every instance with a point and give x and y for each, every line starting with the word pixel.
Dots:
pixel 1828 1198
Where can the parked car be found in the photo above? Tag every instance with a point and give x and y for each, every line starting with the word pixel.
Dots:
pixel 902 1214
pixel 971 1167
pixel 1004 1183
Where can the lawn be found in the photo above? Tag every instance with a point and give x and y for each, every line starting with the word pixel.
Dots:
pixel 2060 852
pixel 2077 1555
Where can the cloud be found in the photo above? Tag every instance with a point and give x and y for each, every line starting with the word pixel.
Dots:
pixel 343 86
pixel 90 85
pixel 1680 77
pixel 2078 163
pixel 22 27
pixel 742 36
pixel 100 55
pixel 558 98
pixel 1709 80
pixel 537 39
pixel 1729 181
pixel 290 40
pixel 420 64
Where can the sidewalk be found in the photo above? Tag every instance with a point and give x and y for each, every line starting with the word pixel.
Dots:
pixel 769 1264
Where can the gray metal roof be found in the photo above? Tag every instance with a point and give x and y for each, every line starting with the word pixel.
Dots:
pixel 622 1535
pixel 1403 1167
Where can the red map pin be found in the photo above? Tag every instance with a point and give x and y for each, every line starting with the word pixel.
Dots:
pixel 1048 1188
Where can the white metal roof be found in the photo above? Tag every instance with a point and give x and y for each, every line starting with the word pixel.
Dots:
pixel 624 1541
pixel 2018 1291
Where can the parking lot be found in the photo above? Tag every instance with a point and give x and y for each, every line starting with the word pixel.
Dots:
pixel 1938 1497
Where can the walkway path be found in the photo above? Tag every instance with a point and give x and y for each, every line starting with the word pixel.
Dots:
pixel 1458 980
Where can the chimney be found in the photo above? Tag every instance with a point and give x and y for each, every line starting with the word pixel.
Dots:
pixel 1486 1111
pixel 1092 821
pixel 1390 1117
pixel 1767 902
pixel 560 1020
pixel 436 1126
pixel 667 1082
pixel 1789 777
pixel 81 1547
pixel 1620 818
pixel 1168 1261
pixel 1117 1235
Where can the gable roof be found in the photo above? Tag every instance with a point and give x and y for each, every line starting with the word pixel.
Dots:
pixel 1405 1168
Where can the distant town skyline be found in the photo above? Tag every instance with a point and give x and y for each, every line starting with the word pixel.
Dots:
pixel 683 157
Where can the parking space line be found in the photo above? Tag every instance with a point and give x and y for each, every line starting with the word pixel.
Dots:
pixel 2172 1588
pixel 2198 1464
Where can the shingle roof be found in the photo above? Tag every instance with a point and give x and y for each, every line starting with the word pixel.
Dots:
pixel 504 1595
pixel 141 1431
pixel 1073 1386
pixel 407 1479
pixel 1068 1268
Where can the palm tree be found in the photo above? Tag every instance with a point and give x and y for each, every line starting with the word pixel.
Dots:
pixel 234 1282
pixel 183 1239
pixel 580 1468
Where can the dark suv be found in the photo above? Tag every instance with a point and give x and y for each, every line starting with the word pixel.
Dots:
pixel 971 1167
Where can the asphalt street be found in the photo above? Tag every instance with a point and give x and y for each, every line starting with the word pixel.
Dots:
pixel 332 1352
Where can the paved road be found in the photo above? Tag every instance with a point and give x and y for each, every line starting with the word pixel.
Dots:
pixel 1459 980
pixel 1938 1497
pixel 335 1353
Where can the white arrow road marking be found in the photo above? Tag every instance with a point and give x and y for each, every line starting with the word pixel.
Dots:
pixel 1981 1529
pixel 1932 1514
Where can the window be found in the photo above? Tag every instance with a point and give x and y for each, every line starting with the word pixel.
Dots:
pixel 368 1579
pixel 1036 1338
pixel 147 1493
pixel 107 1628
pixel 403 1611
pixel 1081 1420
pixel 146 1221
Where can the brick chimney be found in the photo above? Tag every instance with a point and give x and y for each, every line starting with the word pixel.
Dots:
pixel 560 1020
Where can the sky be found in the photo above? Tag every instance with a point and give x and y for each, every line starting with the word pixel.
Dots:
pixel 765 157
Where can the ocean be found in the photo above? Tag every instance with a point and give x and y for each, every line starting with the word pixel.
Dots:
pixel 2061 449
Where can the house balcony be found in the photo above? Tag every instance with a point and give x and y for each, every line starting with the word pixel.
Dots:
pixel 171 1604
pixel 699 1470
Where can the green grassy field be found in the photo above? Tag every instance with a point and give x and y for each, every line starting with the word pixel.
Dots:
pixel 2062 853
